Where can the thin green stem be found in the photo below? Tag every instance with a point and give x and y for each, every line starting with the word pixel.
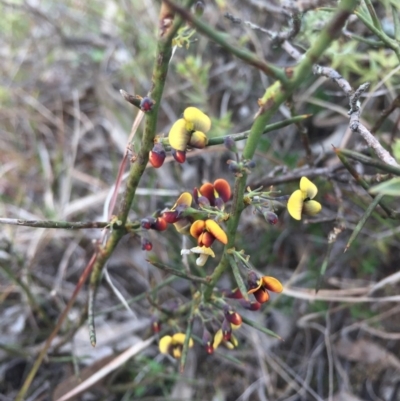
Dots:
pixel 396 22
pixel 268 128
pixel 67 225
pixel 188 334
pixel 392 44
pixel 370 42
pixel 160 71
pixel 220 38
pixel 260 327
pixel 219 140
pixel 372 13
pixel 238 277
pixel 363 220
pixel 369 161
pixel 141 296
pixel 179 273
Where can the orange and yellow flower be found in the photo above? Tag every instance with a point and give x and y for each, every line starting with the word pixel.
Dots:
pixel 207 231
pixel 174 215
pixel 172 345
pixel 217 193
pixel 189 131
pixel 301 201
pixel 259 286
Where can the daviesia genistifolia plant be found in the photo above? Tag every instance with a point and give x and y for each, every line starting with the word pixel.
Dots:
pixel 208 214
pixel 202 214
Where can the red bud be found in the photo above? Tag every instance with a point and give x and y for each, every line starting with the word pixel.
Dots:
pixel 146 104
pixel 179 156
pixel 146 245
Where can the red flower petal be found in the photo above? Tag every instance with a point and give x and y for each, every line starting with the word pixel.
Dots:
pixel 207 190
pixel 261 295
pixel 223 188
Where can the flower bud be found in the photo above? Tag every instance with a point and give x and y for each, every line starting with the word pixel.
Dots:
pixel 179 155
pixel 147 222
pixel 234 167
pixel 250 164
pixel 253 281
pixel 157 155
pixel 199 8
pixel 146 244
pixel 207 341
pixel 230 144
pixel 233 317
pixel 146 104
pixel 261 295
pixel 171 216
pixel 271 217
pixel 155 325
pixel 160 224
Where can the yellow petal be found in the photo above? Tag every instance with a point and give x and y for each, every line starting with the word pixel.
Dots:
pixel 203 250
pixel 185 199
pixel 178 135
pixel 295 204
pixel 164 344
pixel 308 187
pixel 311 207
pixel 198 140
pixel 197 120
pixel 234 341
pixel 197 228
pixel 213 228
pixel 272 284
pixel 217 339
pixel 179 338
pixel 177 352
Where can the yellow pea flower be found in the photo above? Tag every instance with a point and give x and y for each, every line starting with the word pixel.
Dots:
pixel 173 345
pixel 301 200
pixel 190 130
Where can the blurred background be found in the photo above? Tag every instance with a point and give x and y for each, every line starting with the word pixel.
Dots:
pixel 64 128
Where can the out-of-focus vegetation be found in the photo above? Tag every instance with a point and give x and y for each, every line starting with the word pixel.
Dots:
pixel 63 132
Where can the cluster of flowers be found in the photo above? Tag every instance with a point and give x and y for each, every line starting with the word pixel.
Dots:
pixel 189 131
pixel 203 224
pixel 232 320
pixel 206 231
pixel 210 198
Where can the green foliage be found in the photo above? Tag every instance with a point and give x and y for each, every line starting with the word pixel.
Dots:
pixel 194 70
pixel 391 187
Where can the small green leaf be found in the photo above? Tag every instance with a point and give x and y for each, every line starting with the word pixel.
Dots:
pixel 391 187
